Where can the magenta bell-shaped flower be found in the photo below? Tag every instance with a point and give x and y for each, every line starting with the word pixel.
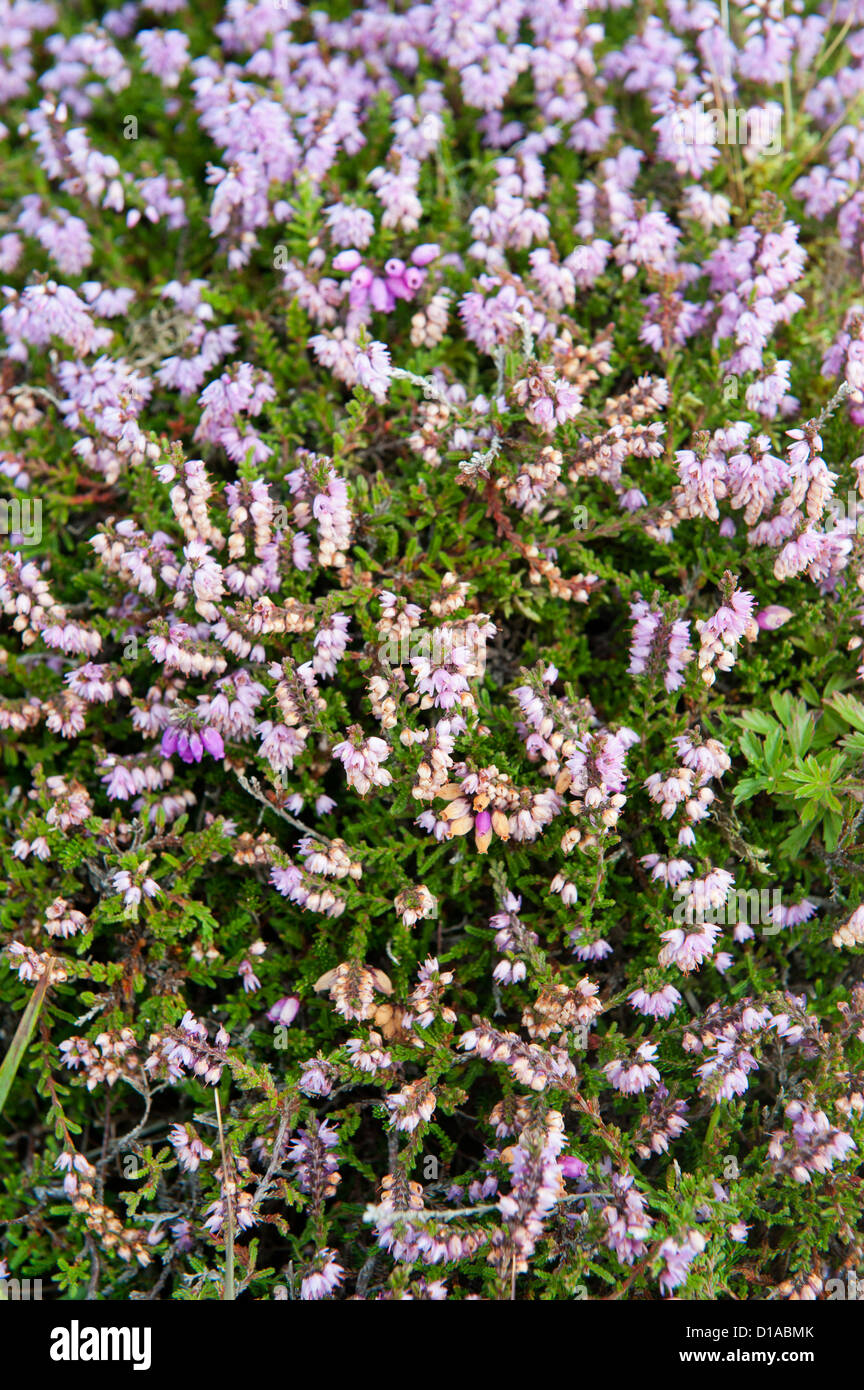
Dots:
pixel 212 741
pixel 398 287
pixel 169 742
pixel 347 261
pixel 284 1011
pixel 426 253
pixel 572 1167
pixel 380 297
pixel 412 280
pixel 772 617
pixel 190 747
pixel 360 282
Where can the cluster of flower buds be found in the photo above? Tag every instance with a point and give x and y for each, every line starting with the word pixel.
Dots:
pixel 124 778
pixel 661 645
pixel 317 1077
pixel 63 920
pixel 720 634
pixel 370 1055
pixel 26 598
pixel 415 904
pixel 851 933
pixel 71 803
pixel 352 988
pixel 426 1000
pixel 79 1173
pixel 595 776
pixel 187 1049
pixel 330 858
pixel 135 884
pixel 190 744
pixel 513 939
pixel 421 1239
pixel 813 1146
pixel 807 1290
pixel 560 1008
pixel 126 1242
pixel 115 1238
pixel 308 891
pixel 662 1123
pixel 487 803
pixel 362 757
pixel 242 1208
pixel 627 1220
pixel 548 401
pixel 724 1073
pixel 530 1065
pixel 33 965
pixel 456 656
pixel 369 291
pixel 317 1168
pixel 107 1058
pixel 632 1076
pixel 429 324
pixel 434 767
pixel 686 787
pixel 536 1188
pixel 322 1278
pixel 535 479
pixel 413 1105
pixel 432 436
pixel 678 1258
pixel 189 1147
pixel 18 716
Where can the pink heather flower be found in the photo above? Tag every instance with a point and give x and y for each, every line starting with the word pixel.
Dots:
pixel 573 1168
pixel 189 746
pixel 632 1077
pixel 190 1149
pixel 590 950
pixel 677 1260
pixel 164 53
pixel 284 1011
pixel 660 1004
pixel 688 948
pixel 212 741
pixel 659 646
pixel 627 1220
pixel 772 617
pixel 361 759
pixel 347 261
pixel 372 369
pixel 330 643
pixel 246 971
pixel 724 1074
pixel 325 1280
pixel 349 226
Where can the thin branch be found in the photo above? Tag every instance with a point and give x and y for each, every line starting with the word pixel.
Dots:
pixel 228 1288
pixel 254 788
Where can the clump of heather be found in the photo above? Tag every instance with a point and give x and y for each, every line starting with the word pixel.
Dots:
pixel 431 648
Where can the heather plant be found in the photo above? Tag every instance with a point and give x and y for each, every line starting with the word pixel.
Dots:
pixel 430 651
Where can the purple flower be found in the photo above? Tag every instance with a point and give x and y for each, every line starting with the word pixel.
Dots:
pixel 284 1011
pixel 772 617
pixel 347 261
pixel 212 741
pixel 190 747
